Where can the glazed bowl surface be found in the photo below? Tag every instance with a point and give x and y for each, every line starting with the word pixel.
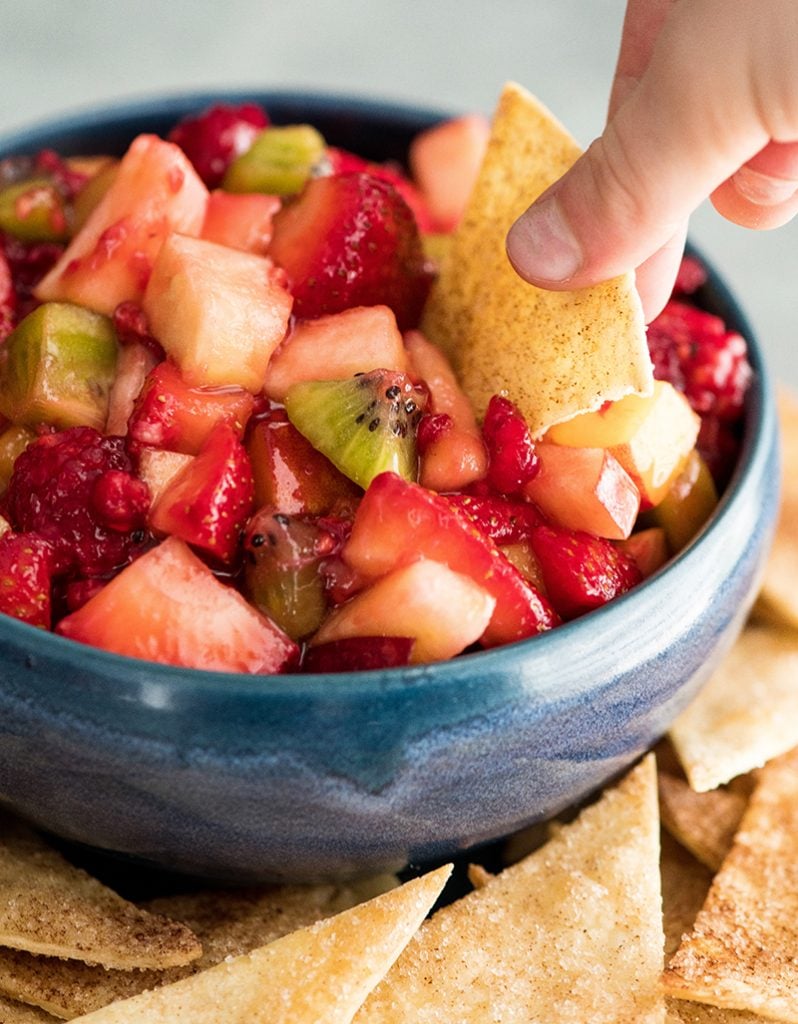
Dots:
pixel 305 777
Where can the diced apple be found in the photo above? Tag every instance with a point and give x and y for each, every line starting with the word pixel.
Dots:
pixel 443 611
pixel 158 467
pixel 335 347
pixel 240 221
pixel 445 161
pixel 648 548
pixel 167 606
pixel 155 191
pixel 135 361
pixel 584 489
pixel 218 313
pixel 650 436
pixel 457 457
pixel 690 501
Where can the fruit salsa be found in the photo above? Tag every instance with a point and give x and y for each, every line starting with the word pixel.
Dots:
pixel 229 442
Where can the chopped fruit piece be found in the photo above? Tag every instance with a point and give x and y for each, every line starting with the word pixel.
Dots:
pixel 719 445
pixel 13 441
pixel 381 541
pixel 28 263
pixel 119 501
pixel 502 520
pixel 240 222
pixel 445 161
pixel 80 592
pixel 25 578
pixel 454 458
pixel 651 437
pixel 290 475
pixel 169 413
pixel 50 493
pixel 278 162
pixel 214 138
pixel 8 298
pixel 581 571
pixel 358 653
pixel 512 461
pixel 648 548
pixel 156 191
pixel 340 161
pixel 34 211
pixel 522 555
pixel 365 425
pixel 337 346
pixel 442 610
pixel 208 502
pixel 169 607
pixel 281 571
pixel 58 367
pixel 695 352
pixel 88 198
pixel 132 367
pixel 351 240
pixel 584 489
pixel 219 313
pixel 688 504
pixel 157 468
pixel 690 276
pixel 133 328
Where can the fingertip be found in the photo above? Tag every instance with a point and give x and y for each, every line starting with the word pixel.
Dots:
pixel 542 247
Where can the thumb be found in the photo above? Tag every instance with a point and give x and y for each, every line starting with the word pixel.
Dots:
pixel 721 83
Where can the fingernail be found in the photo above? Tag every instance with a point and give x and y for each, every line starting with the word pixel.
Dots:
pixel 763 189
pixel 541 245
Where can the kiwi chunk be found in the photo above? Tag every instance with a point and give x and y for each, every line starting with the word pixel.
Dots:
pixel 365 425
pixel 34 211
pixel 279 162
pixel 57 367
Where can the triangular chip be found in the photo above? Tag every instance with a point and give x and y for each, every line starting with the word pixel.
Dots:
pixel 227 922
pixel 48 906
pixel 572 933
pixel 319 975
pixel 779 594
pixel 747 713
pixel 555 354
pixel 704 823
pixel 743 950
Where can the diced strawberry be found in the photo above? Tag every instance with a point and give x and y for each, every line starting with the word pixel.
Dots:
pixel 240 221
pixel 504 521
pixel 381 541
pixel 168 413
pixel 513 461
pixel 358 653
pixel 351 240
pixel 25 578
pixel 169 607
pixel 291 475
pixel 341 161
pixel 581 571
pixel 208 502
pixel 213 139
pixel 695 352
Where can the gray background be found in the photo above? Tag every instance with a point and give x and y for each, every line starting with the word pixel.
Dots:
pixel 57 56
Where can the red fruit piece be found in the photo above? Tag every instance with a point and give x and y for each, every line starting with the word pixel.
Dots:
pixel 120 501
pixel 51 493
pixel 431 428
pixel 513 461
pixel 695 352
pixel 341 161
pixel 25 577
pixel 358 653
pixel 581 572
pixel 169 607
pixel 351 240
pixel 8 299
pixel 213 139
pixel 504 521
pixel 28 263
pixel 383 538
pixel 690 276
pixel 207 503
pixel 132 328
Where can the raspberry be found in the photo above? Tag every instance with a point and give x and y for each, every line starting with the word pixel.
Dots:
pixel 513 459
pixel 52 493
pixel 8 299
pixel 431 427
pixel 214 138
pixel 28 263
pixel 695 352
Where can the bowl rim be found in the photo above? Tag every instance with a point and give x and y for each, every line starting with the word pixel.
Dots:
pixel 78 657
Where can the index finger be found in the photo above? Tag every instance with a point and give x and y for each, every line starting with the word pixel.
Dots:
pixel 641 27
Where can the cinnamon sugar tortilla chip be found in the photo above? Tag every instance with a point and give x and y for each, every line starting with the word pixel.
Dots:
pixel 228 922
pixel 48 906
pixel 746 714
pixel 571 933
pixel 12 1012
pixel 742 952
pixel 318 975
pixel 778 598
pixel 704 823
pixel 555 354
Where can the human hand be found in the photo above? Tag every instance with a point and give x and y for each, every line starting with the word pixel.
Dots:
pixel 704 103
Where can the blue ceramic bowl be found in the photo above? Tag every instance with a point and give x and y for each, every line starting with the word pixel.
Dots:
pixel 277 778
